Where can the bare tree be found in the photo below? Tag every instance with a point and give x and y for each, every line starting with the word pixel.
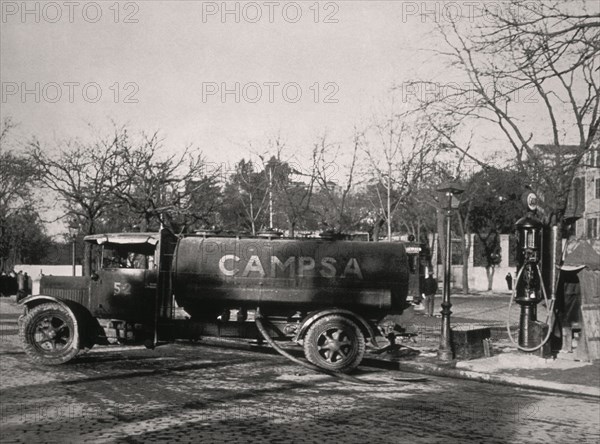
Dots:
pixel 528 53
pixel 544 53
pixel 294 196
pixel 290 186
pixel 161 189
pixel 446 168
pixel 401 151
pixel 82 176
pixel 22 234
pixel 336 202
pixel 17 174
pixel 246 195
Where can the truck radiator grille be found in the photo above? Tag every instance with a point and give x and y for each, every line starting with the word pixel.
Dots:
pixel 73 294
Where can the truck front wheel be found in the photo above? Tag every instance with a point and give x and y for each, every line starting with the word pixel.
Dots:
pixel 334 343
pixel 50 334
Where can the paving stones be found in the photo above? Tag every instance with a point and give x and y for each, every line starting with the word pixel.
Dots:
pixel 195 393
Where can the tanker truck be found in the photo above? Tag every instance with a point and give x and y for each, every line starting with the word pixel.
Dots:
pixel 328 296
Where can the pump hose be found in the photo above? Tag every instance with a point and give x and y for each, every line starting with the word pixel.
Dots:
pixel 548 317
pixel 282 352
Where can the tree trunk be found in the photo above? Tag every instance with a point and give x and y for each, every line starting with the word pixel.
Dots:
pixel 489 271
pixel 389 208
pixel 433 255
pixel 441 238
pixel 551 257
pixel 465 241
pixel 144 223
pixel 377 229
pixel 87 259
pixel 465 254
pixel 252 224
pixel 86 266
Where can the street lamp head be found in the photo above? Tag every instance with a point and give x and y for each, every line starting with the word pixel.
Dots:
pixel 451 188
pixel 73 230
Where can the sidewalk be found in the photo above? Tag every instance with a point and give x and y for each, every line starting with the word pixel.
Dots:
pixel 506 366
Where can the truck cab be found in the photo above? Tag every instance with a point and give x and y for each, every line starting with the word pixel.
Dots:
pixel 116 303
pixel 417 265
pixel 123 283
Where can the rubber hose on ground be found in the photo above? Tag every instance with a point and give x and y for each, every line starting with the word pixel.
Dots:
pixel 282 352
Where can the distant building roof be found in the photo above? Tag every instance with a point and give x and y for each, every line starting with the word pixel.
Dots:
pixel 551 149
pixel 583 255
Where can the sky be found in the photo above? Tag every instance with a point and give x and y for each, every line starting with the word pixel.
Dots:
pixel 210 74
pixel 215 75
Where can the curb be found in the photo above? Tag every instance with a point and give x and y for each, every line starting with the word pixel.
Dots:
pixel 513 381
pixel 445 371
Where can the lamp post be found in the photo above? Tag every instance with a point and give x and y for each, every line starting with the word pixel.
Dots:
pixel 270 165
pixel 73 229
pixel 450 189
pixel 270 197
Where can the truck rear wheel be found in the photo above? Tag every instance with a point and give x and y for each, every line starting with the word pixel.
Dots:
pixel 50 334
pixel 334 343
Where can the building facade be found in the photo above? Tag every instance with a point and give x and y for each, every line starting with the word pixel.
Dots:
pixel 584 199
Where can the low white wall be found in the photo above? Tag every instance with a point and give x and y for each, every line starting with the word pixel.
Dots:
pixel 54 270
pixel 478 278
pixel 35 272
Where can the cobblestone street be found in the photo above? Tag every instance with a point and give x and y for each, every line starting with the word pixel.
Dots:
pixel 198 393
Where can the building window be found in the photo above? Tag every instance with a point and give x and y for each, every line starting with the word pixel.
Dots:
pixel 597 188
pixel 592 228
pixel 576 202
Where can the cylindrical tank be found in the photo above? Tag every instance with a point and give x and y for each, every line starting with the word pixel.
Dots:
pixel 282 275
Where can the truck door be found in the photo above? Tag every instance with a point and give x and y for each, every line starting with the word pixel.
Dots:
pixel 415 275
pixel 164 289
pixel 124 285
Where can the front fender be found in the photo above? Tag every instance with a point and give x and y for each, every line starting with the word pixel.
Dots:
pixel 89 328
pixel 32 301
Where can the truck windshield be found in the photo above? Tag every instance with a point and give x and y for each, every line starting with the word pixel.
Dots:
pixel 128 256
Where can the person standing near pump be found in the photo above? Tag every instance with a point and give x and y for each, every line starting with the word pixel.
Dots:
pixel 430 288
pixel 509 281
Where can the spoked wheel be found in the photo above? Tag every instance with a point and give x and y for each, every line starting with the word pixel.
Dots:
pixel 334 343
pixel 49 334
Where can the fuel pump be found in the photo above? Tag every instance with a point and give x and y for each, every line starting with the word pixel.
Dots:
pixel 529 288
